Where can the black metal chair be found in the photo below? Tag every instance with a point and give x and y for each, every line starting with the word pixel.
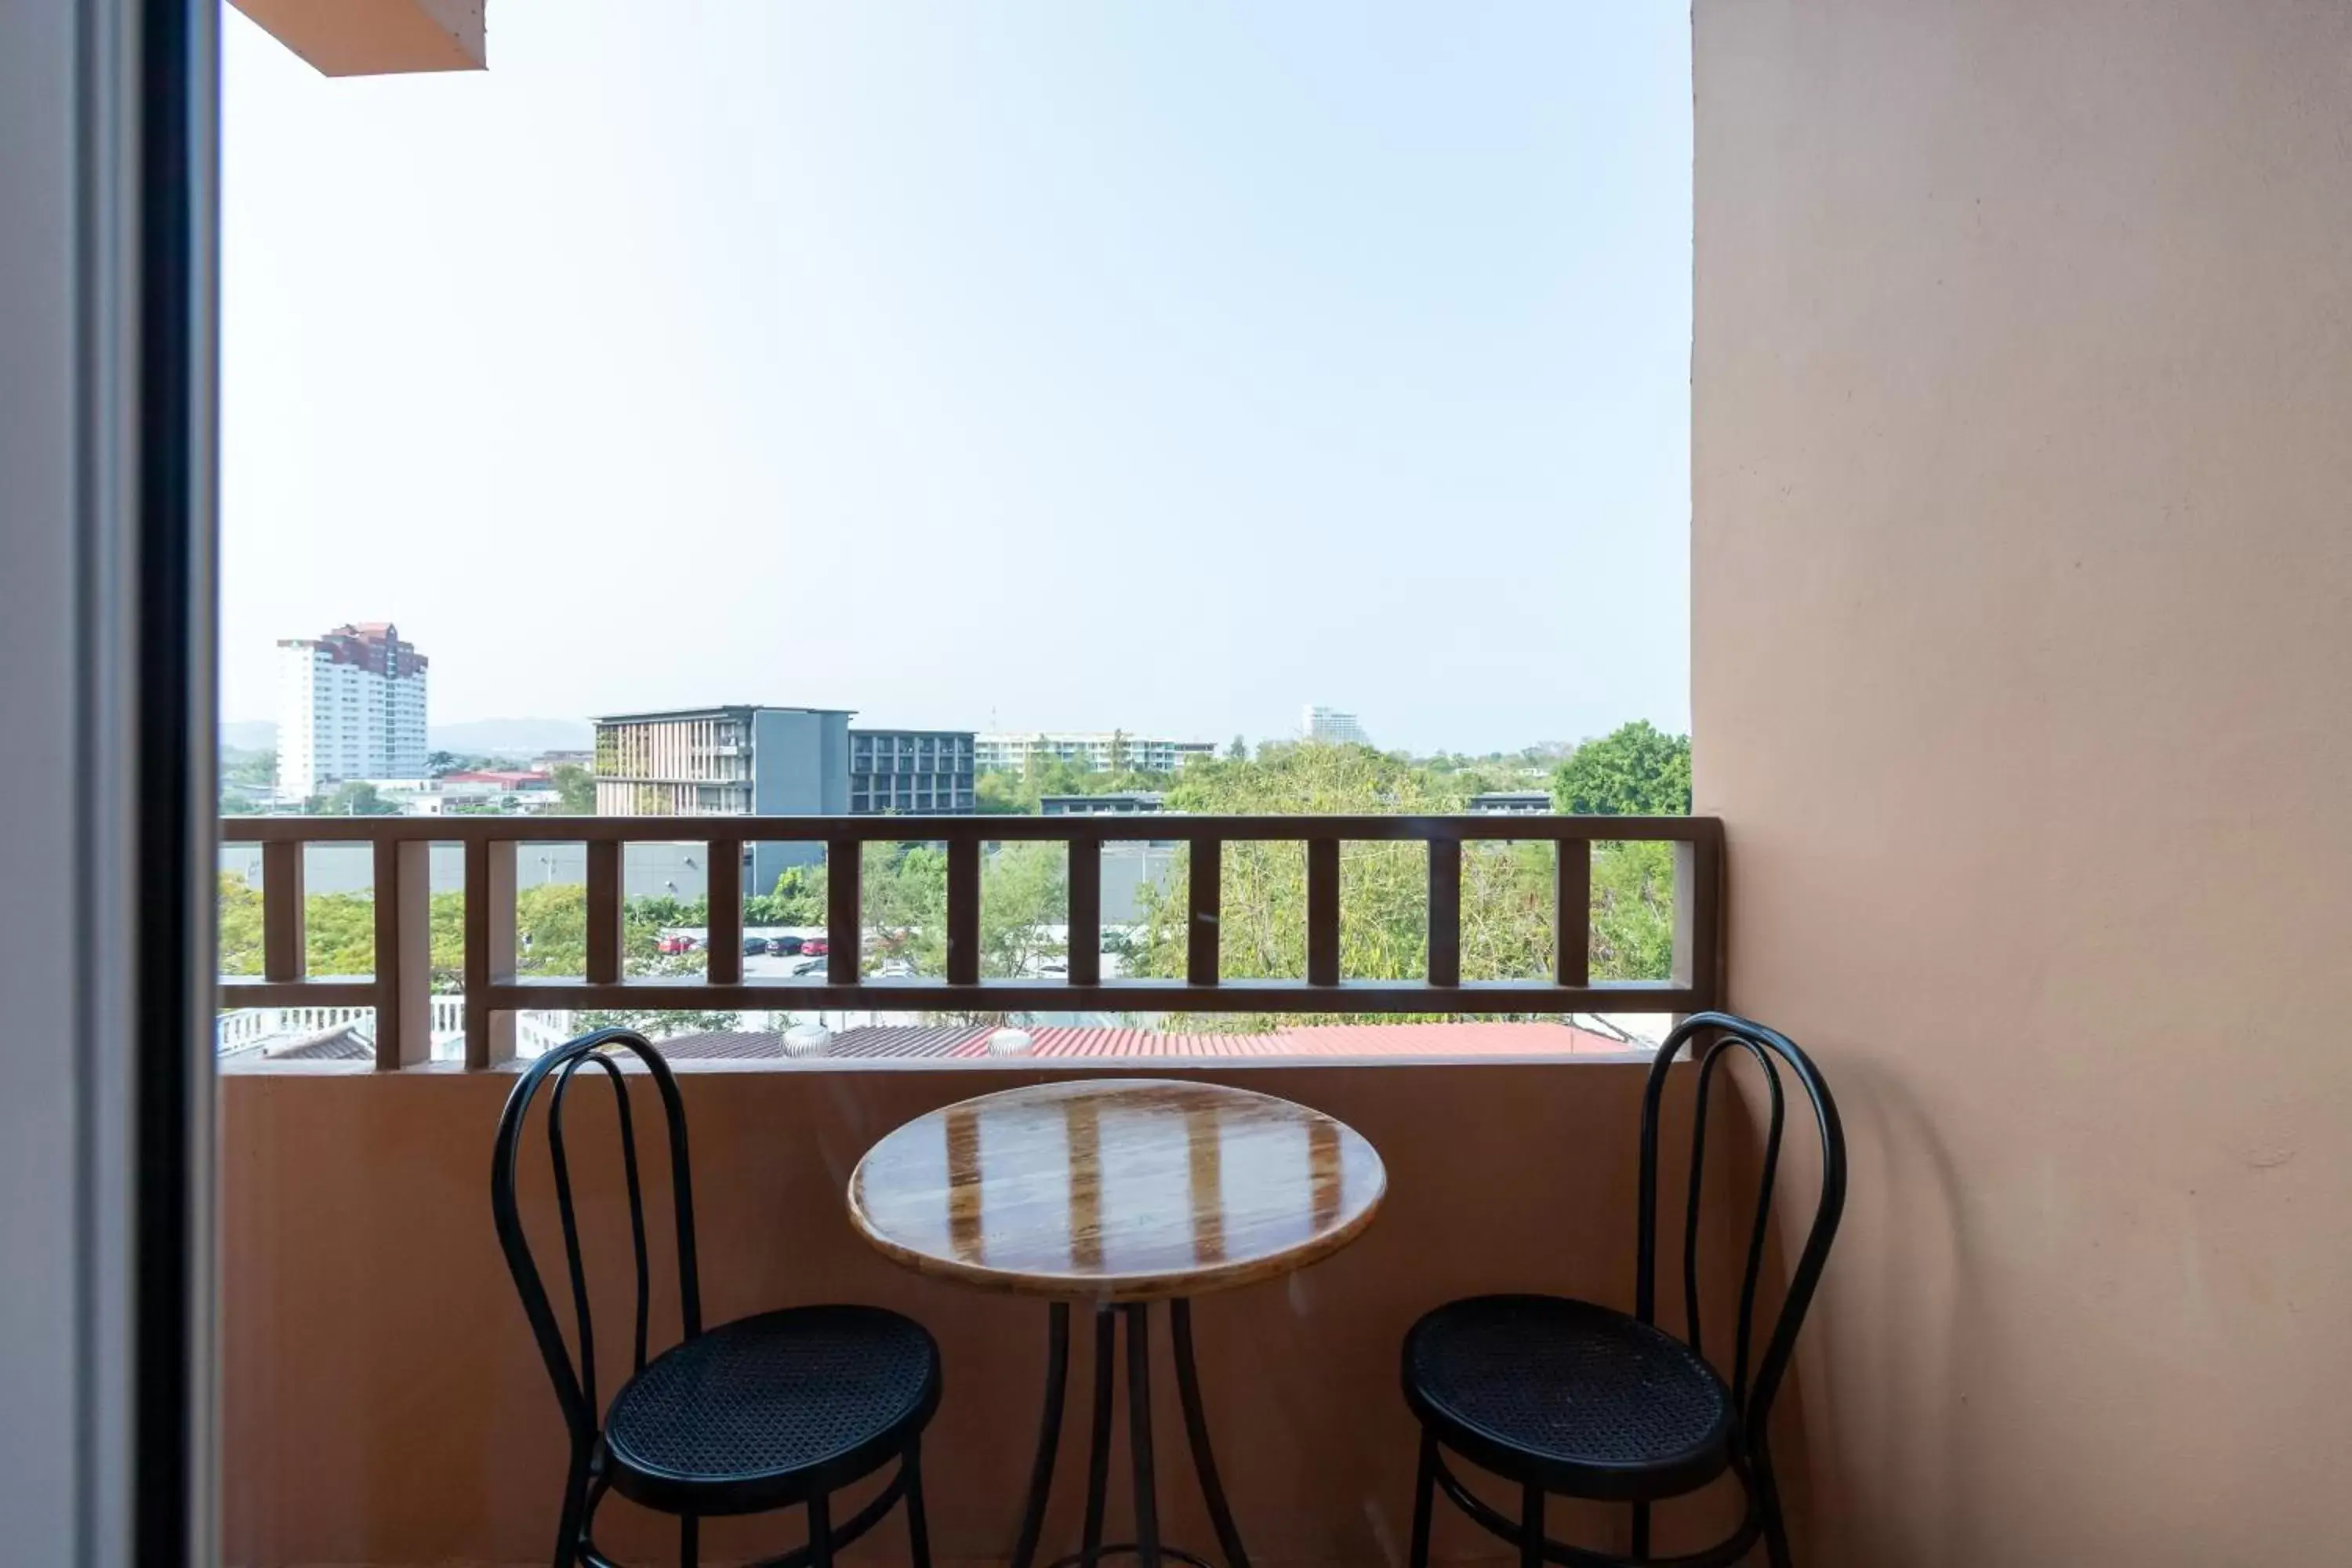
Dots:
pixel 769 1412
pixel 1566 1398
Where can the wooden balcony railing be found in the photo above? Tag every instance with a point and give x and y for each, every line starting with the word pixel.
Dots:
pixel 400 989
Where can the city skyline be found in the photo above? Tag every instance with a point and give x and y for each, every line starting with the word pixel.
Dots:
pixel 240 732
pixel 1094 741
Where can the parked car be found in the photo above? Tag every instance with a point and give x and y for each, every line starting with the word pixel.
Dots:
pixel 809 969
pixel 894 969
pixel 752 944
pixel 675 943
pixel 784 946
pixel 816 947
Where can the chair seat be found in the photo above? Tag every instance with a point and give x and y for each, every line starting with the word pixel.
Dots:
pixel 763 1412
pixel 1567 1396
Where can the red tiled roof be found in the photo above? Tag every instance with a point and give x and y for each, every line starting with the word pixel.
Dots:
pixel 759 1045
pixel 1054 1042
pixel 941 1040
pixel 508 776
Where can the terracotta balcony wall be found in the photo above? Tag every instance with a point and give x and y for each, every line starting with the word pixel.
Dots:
pixel 386 1403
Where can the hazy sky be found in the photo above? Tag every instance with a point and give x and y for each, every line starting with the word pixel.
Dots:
pixel 1042 365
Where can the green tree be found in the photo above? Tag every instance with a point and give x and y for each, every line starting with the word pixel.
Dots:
pixel 551 933
pixel 798 898
pixel 252 770
pixel 577 786
pixel 552 938
pixel 338 930
pixel 552 929
pixel 1024 891
pixel 1023 899
pixel 354 797
pixel 1633 911
pixel 1059 775
pixel 1383 926
pixel 1507 926
pixel 237 926
pixel 643 922
pixel 999 792
pixel 1638 770
pixel 1238 752
pixel 906 903
pixel 1005 793
pixel 445 923
pixel 339 934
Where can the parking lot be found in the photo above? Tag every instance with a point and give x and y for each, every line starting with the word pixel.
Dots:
pixel 782 966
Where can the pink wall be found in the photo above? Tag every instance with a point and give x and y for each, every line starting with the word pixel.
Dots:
pixel 2022 610
pixel 385 1405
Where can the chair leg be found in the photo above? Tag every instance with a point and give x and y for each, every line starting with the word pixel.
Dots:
pixel 820 1526
pixel 1425 1498
pixel 1640 1533
pixel 919 1528
pixel 689 1542
pixel 1776 1529
pixel 568 1526
pixel 1531 1527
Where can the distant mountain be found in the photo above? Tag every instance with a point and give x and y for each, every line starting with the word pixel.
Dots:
pixel 250 735
pixel 514 737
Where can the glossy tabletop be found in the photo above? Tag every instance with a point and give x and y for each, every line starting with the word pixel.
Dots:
pixel 1117 1189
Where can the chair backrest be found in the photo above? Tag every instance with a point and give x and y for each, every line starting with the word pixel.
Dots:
pixel 576 1385
pixel 1711 1036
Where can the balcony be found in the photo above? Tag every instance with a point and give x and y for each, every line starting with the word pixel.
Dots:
pixel 384 1403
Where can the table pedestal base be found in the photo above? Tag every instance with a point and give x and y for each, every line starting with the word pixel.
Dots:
pixel 1146 1546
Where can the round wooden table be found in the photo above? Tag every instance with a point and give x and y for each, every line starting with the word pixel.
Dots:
pixel 1117 1193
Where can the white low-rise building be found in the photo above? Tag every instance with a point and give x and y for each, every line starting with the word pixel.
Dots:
pixel 1332 727
pixel 1104 750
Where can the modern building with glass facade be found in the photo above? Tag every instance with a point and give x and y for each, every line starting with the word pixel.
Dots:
pixel 752 761
pixel 926 772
